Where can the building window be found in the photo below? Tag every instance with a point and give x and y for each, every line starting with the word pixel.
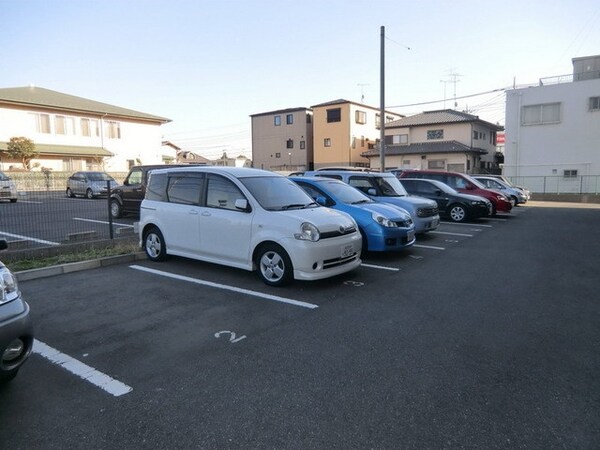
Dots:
pixel 594 103
pixel 353 141
pixel 436 163
pixel 309 118
pixel 475 135
pixel 85 127
pixel 435 134
pixel 362 141
pixel 361 117
pixel 113 130
pixel 377 121
pixel 289 143
pixel 540 114
pixel 334 115
pixel 302 145
pixel 397 139
pixel 289 119
pixel 327 142
pixel 570 173
pixel 406 163
pixel 277 121
pixel 277 155
pixel 60 125
pixel 42 123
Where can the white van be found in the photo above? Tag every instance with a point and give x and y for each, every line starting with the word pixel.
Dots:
pixel 246 218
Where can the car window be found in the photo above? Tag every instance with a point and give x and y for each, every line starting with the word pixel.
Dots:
pixel 456 182
pixel 222 193
pixel 157 186
pixel 363 184
pixel 313 191
pixel 427 188
pixel 345 193
pixel 329 175
pixel 186 190
pixel 276 193
pixel 3 177
pixel 135 177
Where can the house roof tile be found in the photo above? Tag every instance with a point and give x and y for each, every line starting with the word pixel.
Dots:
pixel 439 117
pixel 426 148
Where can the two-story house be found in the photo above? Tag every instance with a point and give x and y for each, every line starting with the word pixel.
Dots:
pixel 440 140
pixel 282 140
pixel 73 133
pixel 553 131
pixel 344 131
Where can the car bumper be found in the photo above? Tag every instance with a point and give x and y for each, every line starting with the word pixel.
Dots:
pixel 476 211
pixel 8 193
pixel 324 258
pixel 383 239
pixel 503 206
pixel 15 323
pixel 424 224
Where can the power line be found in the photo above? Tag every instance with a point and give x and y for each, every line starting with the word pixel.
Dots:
pixel 456 98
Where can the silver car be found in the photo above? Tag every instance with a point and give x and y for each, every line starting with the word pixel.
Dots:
pixel 8 189
pixel 89 184
pixel 516 195
pixel 16 330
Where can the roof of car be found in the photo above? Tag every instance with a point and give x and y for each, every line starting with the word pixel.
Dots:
pixel 238 172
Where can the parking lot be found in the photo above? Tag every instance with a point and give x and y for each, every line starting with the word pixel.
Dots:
pixel 482 335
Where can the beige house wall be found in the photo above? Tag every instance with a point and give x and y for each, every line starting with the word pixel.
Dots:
pixel 269 142
pixel 348 137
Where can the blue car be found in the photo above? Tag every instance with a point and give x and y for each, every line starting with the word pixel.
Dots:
pixel 383 227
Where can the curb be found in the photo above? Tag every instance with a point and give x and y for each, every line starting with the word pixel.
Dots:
pixel 43 272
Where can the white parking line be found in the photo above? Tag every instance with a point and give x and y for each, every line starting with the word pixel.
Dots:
pixel 31 201
pixel 451 234
pixel 276 298
pixel 87 373
pixel 28 238
pixel 496 219
pixel 468 224
pixel 103 222
pixel 429 247
pixel 373 266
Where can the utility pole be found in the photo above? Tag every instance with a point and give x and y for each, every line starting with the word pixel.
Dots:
pixel 382 104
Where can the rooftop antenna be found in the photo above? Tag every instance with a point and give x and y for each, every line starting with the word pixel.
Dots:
pixel 454 79
pixel 362 94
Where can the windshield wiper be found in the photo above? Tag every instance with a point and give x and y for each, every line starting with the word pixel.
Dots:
pixel 361 201
pixel 294 206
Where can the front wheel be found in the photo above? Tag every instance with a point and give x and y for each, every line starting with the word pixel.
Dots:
pixel 89 194
pixel 154 245
pixel 70 193
pixel 116 210
pixel 458 213
pixel 274 265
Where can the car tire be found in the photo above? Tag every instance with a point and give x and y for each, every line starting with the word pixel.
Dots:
pixel 70 193
pixel 116 210
pixel 89 194
pixel 514 201
pixel 457 213
pixel 13 200
pixel 154 245
pixel 9 375
pixel 274 265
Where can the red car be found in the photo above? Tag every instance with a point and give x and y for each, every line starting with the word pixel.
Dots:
pixel 465 184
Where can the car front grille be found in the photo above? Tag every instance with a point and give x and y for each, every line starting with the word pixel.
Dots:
pixel 427 212
pixel 329 263
pixel 340 232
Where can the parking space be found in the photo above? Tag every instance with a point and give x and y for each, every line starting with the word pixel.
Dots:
pixel 442 339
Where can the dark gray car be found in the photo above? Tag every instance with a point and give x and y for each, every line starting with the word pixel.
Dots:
pixel 16 329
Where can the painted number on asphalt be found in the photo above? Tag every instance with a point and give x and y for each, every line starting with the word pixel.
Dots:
pixel 354 283
pixel 232 337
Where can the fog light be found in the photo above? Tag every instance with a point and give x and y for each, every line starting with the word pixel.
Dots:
pixel 13 351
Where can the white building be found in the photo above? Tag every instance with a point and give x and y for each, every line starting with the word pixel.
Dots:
pixel 553 131
pixel 73 133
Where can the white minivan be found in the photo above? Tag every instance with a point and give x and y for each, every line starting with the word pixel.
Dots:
pixel 246 218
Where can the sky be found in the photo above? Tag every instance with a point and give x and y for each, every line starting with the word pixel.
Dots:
pixel 209 64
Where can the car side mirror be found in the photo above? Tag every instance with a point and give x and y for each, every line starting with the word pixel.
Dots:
pixel 371 191
pixel 3 244
pixel 321 200
pixel 241 204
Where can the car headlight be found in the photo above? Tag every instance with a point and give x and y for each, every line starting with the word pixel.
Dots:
pixel 383 221
pixel 8 286
pixel 308 232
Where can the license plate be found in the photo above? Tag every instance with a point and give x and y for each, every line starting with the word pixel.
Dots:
pixel 347 250
pixel 410 236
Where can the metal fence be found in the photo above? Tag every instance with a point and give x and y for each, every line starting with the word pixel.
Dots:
pixel 43 215
pixel 555 184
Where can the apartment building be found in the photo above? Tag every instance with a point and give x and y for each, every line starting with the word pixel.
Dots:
pixel 553 129
pixel 440 140
pixel 344 131
pixel 73 133
pixel 282 140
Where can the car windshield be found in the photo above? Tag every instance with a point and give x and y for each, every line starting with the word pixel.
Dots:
pixel 475 182
pixel 444 187
pixel 390 187
pixel 344 192
pixel 99 176
pixel 3 177
pixel 278 193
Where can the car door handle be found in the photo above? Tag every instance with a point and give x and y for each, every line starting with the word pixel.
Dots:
pixel 193 212
pixel 206 213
